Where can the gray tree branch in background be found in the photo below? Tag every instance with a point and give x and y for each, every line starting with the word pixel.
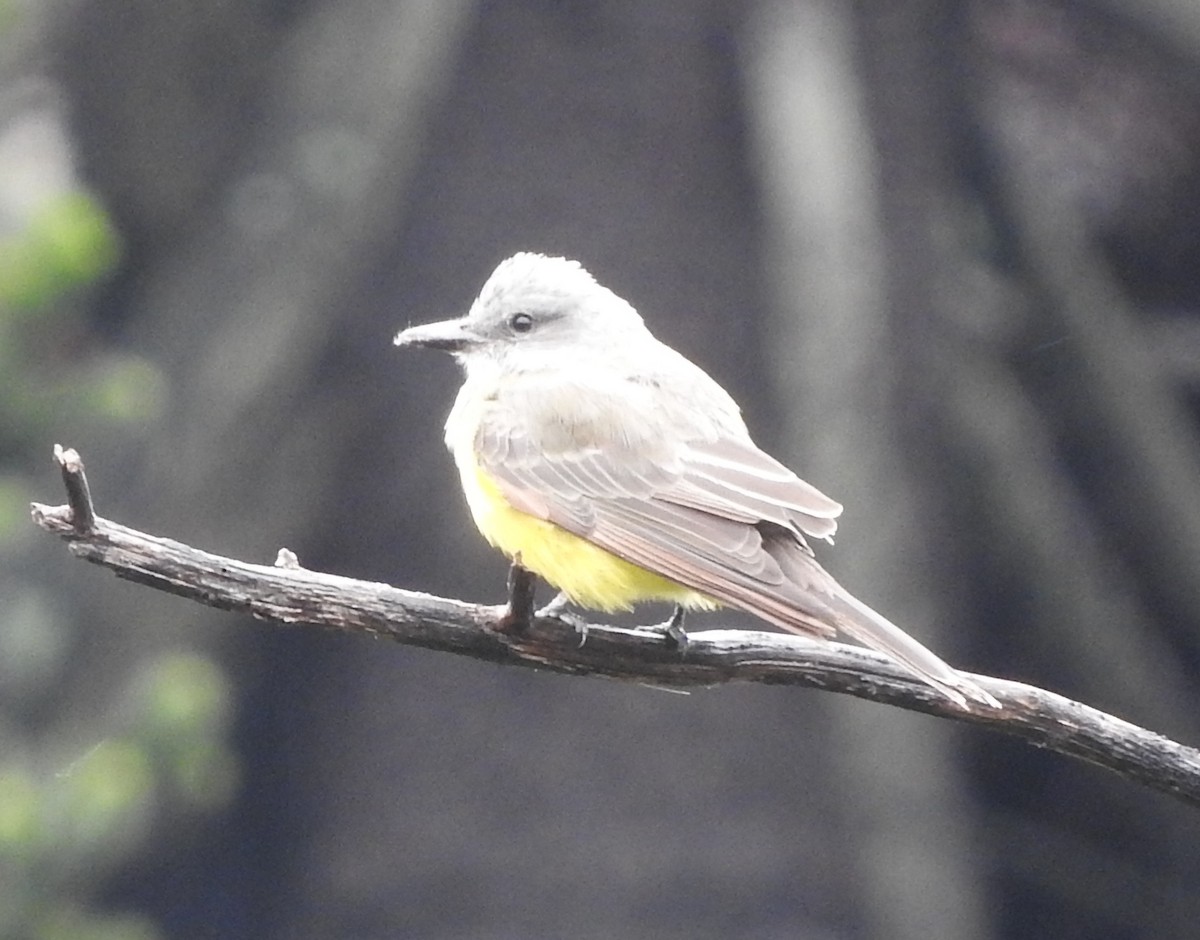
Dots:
pixel 286 593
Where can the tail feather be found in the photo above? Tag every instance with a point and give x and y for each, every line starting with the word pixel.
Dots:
pixel 827 601
pixel 857 620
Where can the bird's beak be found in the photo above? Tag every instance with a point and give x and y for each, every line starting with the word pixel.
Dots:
pixel 450 335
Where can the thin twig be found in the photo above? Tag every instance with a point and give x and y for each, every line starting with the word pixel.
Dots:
pixel 287 593
pixel 79 497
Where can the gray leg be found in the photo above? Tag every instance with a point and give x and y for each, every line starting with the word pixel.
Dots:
pixel 560 603
pixel 557 609
pixel 672 630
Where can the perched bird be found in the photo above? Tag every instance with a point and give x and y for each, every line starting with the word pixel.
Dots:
pixel 617 470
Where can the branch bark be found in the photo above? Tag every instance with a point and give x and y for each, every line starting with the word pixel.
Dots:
pixel 287 593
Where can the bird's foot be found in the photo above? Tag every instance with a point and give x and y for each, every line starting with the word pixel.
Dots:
pixel 672 630
pixel 557 609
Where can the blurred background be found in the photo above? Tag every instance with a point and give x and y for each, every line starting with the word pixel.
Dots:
pixel 946 253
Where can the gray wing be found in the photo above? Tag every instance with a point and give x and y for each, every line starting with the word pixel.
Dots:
pixel 714 513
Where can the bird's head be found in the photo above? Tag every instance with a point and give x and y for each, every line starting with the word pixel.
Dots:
pixel 534 312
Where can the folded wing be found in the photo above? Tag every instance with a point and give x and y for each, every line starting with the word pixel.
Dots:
pixel 718 516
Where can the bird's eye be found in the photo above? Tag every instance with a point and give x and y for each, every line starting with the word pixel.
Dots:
pixel 520 322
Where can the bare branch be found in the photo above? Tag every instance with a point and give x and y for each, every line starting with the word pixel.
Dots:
pixel 287 593
pixel 79 497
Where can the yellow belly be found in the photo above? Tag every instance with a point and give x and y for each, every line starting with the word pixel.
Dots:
pixel 589 575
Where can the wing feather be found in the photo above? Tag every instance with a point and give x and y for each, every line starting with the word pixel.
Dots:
pixel 727 477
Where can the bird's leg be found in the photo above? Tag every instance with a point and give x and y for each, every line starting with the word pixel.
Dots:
pixel 522 585
pixel 557 609
pixel 672 630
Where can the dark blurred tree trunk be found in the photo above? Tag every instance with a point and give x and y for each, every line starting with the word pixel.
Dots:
pixel 860 189
pixel 1082 453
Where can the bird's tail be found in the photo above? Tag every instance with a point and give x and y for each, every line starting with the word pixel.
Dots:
pixel 860 622
pixel 828 600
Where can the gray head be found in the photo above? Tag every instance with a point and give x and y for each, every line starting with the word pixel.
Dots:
pixel 532 312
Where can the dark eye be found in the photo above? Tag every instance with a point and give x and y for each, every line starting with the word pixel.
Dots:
pixel 520 323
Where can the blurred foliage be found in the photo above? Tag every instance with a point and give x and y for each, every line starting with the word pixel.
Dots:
pixel 64 824
pixel 67 243
pixel 49 373
pixel 79 792
pixel 73 925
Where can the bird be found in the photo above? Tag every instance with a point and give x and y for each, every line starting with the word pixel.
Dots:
pixel 617 470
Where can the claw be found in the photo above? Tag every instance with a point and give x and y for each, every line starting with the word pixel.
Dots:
pixel 557 609
pixel 672 630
